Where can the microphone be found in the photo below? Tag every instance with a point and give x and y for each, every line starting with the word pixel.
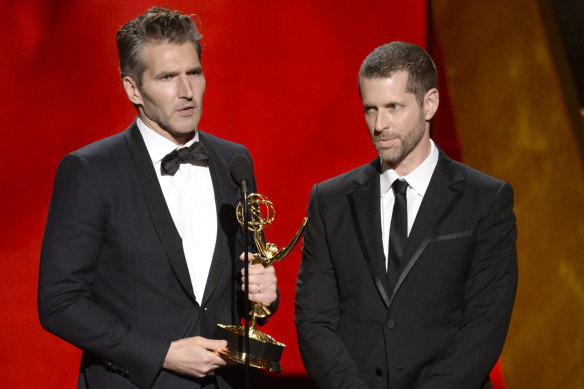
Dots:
pixel 241 171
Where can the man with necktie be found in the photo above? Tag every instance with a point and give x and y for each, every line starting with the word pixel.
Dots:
pixel 409 267
pixel 140 257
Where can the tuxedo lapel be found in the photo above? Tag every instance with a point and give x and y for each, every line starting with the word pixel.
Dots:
pixel 221 189
pixel 442 194
pixel 159 211
pixel 365 210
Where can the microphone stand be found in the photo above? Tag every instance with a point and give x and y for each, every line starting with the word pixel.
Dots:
pixel 246 278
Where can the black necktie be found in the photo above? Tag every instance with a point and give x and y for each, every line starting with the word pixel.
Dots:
pixel 195 152
pixel 398 231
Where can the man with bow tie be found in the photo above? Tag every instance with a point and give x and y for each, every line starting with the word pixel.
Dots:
pixel 140 257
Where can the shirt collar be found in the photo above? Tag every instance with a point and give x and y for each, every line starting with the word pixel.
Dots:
pixel 418 179
pixel 157 145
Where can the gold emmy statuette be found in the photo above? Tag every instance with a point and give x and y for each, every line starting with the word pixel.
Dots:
pixel 264 351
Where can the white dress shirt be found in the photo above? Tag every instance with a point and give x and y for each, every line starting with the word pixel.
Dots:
pixel 418 181
pixel 191 201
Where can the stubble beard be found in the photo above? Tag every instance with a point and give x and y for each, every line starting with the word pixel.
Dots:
pixel 164 123
pixel 397 154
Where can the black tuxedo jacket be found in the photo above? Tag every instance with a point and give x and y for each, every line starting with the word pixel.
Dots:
pixel 445 322
pixel 113 277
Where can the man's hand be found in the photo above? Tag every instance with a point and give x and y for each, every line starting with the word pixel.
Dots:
pixel 196 356
pixel 262 282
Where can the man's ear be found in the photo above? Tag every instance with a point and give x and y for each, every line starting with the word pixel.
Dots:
pixel 132 90
pixel 431 101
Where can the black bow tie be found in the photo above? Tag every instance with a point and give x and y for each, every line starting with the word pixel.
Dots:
pixel 195 152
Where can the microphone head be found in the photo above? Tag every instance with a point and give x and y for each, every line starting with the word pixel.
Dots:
pixel 241 169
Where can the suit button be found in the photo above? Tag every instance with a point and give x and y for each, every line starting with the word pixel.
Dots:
pixel 391 324
pixel 378 372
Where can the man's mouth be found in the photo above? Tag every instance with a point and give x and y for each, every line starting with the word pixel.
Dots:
pixel 186 110
pixel 386 142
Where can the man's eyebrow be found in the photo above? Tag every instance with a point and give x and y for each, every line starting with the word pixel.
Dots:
pixel 195 69
pixel 165 73
pixel 172 73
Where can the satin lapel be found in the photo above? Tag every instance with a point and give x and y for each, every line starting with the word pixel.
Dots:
pixel 221 189
pixel 159 212
pixel 365 209
pixel 442 194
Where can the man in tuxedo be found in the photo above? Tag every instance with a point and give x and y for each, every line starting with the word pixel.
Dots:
pixel 141 253
pixel 409 268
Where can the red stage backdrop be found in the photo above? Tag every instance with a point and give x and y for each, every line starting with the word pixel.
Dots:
pixel 281 79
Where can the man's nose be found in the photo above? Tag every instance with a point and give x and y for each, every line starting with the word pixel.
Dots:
pixel 185 89
pixel 382 121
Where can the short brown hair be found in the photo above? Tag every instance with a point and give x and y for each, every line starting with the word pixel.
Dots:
pixel 396 56
pixel 156 26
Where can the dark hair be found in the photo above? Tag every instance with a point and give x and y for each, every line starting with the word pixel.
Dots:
pixel 157 25
pixel 401 56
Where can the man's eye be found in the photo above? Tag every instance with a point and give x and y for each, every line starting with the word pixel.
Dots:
pixel 394 106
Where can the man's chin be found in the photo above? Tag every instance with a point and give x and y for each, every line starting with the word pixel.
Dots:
pixel 389 156
pixel 181 135
pixel 186 126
